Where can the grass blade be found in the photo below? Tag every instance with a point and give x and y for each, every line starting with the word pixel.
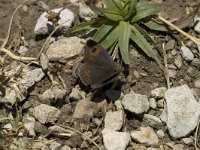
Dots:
pixel 102 31
pixel 144 9
pixel 111 38
pixel 124 32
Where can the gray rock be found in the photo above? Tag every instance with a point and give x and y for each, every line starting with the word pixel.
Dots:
pixel 188 141
pixel 186 53
pixel 59 92
pixel 152 121
pixel 114 120
pixel 55 145
pixel 145 135
pixel 163 116
pixel 43 26
pixel 197 83
pixel 29 124
pixel 178 147
pixel 75 94
pixel 118 105
pixel 152 148
pixel 8 127
pixel 56 92
pixel 196 62
pixel 32 76
pixel 158 92
pixel 27 78
pixel 45 113
pixel 46 96
pixel 172 73
pixel 23 50
pixel 152 103
pixel 170 45
pixel 160 103
pixel 135 103
pixel 160 134
pixel 135 146
pixel 182 111
pixel 197 24
pixel 64 48
pixel 65 148
pixel 75 2
pixel 85 108
pixel 114 140
pixel 178 61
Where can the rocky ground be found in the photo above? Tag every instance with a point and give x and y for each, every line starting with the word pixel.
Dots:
pixel 44 105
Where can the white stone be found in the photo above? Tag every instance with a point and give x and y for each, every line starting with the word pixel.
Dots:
pixel 23 50
pixel 135 103
pixel 197 83
pixel 85 108
pixel 75 94
pixel 43 26
pixel 152 121
pixel 158 92
pixel 55 145
pixel 152 103
pixel 160 134
pixel 197 26
pixel 29 124
pixel 47 95
pixel 114 140
pixel 45 113
pixel 65 48
pixel 172 73
pixel 188 141
pixel 59 92
pixel 85 12
pixel 114 120
pixel 186 53
pixel 118 105
pixel 8 127
pixel 163 116
pixel 182 111
pixel 65 148
pixel 145 135
pixel 151 148
pixel 27 77
pixel 178 147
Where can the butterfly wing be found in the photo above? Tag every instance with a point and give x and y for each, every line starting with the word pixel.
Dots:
pixel 94 75
pixel 98 66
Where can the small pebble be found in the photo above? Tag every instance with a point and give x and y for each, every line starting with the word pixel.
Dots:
pixel 160 103
pixel 188 141
pixel 114 120
pixel 160 134
pixel 152 103
pixel 158 92
pixel 186 53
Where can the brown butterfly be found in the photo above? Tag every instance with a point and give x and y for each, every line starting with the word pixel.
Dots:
pixel 98 68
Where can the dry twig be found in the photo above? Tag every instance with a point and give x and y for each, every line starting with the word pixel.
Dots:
pixel 192 38
pixel 166 67
pixel 84 136
pixel 3 49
